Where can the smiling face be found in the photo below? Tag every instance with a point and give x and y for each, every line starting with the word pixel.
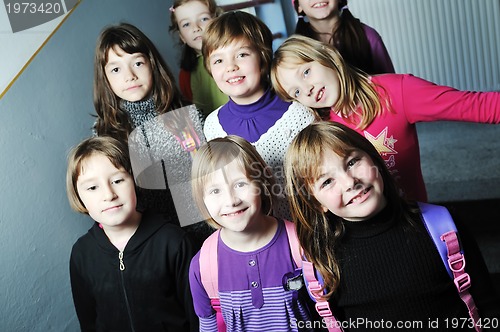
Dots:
pixel 318 9
pixel 129 75
pixel 107 192
pixel 192 18
pixel 232 199
pixel 350 187
pixel 310 83
pixel 236 71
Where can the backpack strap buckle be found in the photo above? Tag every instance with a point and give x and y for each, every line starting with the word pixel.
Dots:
pixel 323 309
pixel 462 282
pixel 457 262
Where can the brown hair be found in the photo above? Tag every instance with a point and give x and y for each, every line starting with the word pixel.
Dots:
pixel 320 232
pixel 189 56
pixel 218 153
pixel 111 119
pixel 357 92
pixel 114 150
pixel 348 37
pixel 238 25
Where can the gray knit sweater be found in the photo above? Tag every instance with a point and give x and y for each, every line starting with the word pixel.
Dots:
pixel 161 148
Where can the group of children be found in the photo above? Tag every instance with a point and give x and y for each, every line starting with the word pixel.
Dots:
pixel 302 136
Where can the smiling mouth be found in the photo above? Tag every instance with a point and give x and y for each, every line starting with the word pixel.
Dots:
pixel 234 213
pixel 235 79
pixel 319 5
pixel 359 196
pixel 320 94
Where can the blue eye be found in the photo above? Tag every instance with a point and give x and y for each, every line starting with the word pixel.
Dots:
pixel 296 93
pixel 306 72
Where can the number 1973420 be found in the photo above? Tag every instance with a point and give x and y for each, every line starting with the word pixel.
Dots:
pixel 33 8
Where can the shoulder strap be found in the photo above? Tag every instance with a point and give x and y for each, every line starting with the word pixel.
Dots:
pixel 314 286
pixel 209 273
pixel 293 241
pixel 443 231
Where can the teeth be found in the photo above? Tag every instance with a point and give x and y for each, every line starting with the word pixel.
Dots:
pixel 234 80
pixel 321 4
pixel 232 214
pixel 320 94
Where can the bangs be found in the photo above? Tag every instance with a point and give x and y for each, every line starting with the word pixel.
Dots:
pixel 127 42
pixel 309 158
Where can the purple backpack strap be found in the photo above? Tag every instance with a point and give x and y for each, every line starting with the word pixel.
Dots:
pixel 314 287
pixel 443 231
pixel 209 273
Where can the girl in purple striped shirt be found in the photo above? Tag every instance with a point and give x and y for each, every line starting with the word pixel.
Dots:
pixel 233 187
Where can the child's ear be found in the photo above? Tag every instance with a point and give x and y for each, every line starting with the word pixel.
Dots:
pixel 324 208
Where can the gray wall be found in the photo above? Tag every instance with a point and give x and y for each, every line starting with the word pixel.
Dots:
pixel 45 112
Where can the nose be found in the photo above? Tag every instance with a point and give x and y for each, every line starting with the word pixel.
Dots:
pixel 108 193
pixel 231 66
pixel 309 90
pixel 130 75
pixel 232 199
pixel 348 182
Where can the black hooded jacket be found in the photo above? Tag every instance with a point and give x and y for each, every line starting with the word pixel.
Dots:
pixel 149 292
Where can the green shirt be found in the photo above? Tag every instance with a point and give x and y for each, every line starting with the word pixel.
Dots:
pixel 206 94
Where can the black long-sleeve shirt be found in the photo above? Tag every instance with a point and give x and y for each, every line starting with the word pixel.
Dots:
pixel 392 274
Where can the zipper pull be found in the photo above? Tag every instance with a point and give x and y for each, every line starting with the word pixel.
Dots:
pixel 120 257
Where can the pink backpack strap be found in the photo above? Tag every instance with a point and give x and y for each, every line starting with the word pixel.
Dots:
pixel 456 262
pixel 209 273
pixel 293 241
pixel 313 285
pixel 442 229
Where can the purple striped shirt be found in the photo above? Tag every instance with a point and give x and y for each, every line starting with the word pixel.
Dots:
pixel 250 288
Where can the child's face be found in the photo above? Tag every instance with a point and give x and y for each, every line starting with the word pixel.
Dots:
pixel 310 83
pixel 319 10
pixel 232 199
pixel 236 71
pixel 192 18
pixel 351 187
pixel 129 75
pixel 107 192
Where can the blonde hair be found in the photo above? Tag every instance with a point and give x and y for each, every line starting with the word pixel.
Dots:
pixel 218 153
pixel 357 96
pixel 319 232
pixel 236 26
pixel 107 146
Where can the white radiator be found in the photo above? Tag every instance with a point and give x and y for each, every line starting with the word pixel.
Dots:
pixel 449 42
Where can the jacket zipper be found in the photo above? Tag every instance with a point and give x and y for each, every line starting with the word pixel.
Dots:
pixel 122 268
